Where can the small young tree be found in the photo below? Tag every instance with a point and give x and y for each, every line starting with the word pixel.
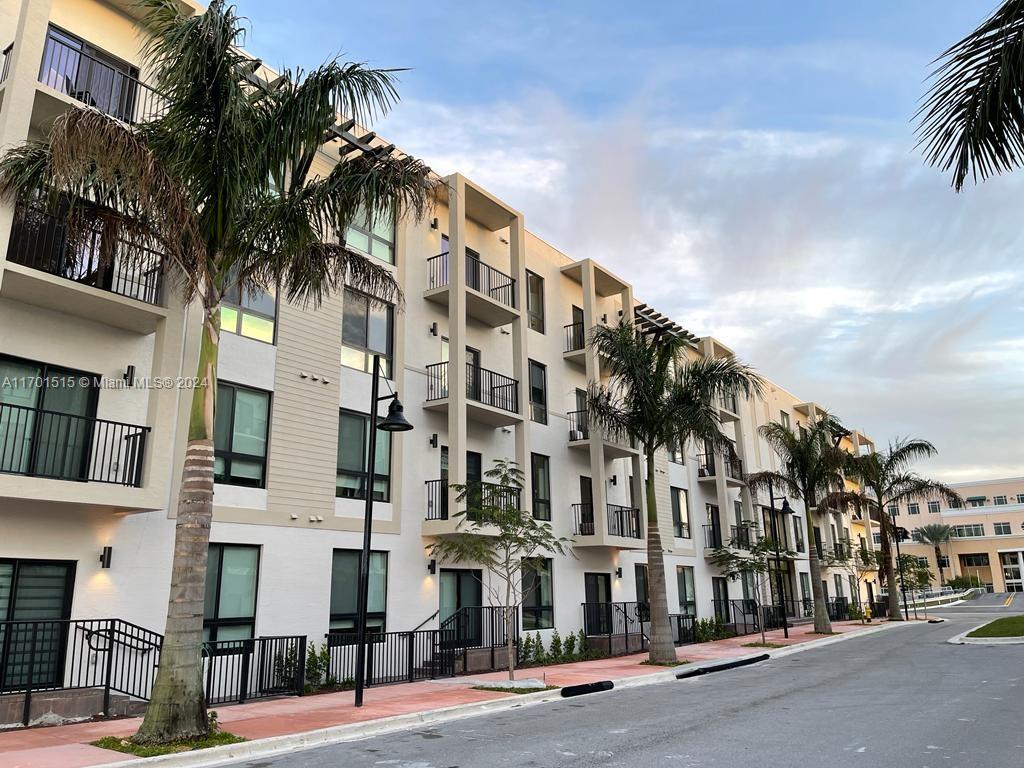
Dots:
pixel 858 564
pixel 735 562
pixel 504 540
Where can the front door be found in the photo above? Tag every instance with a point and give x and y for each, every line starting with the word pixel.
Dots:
pixel 720 595
pixel 473 383
pixel 579 331
pixel 713 537
pixel 38 593
pixel 461 599
pixel 597 589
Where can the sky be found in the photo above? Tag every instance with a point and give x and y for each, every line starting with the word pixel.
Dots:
pixel 749 166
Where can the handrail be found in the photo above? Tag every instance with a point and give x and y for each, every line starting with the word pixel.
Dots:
pixel 420 625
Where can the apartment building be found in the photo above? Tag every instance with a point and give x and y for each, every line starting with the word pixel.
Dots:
pixel 487 354
pixel 987 538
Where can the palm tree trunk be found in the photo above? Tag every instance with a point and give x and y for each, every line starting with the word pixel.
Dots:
pixel 822 624
pixel 662 650
pixel 177 706
pixel 895 614
pixel 938 564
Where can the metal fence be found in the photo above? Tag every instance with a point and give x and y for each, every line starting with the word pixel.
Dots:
pixel 624 521
pixel 683 629
pixel 479 276
pixel 393 657
pixel 482 385
pixel 621 619
pixel 575 337
pixel 256 668
pixel 478 495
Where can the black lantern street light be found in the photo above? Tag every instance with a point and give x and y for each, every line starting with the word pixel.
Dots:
pixel 897 534
pixel 778 557
pixel 393 422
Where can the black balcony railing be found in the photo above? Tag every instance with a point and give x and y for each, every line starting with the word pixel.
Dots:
pixel 712 536
pixel 575 337
pixel 583 517
pixel 841 550
pixel 5 68
pixel 40 240
pixel 742 536
pixel 479 495
pixel 734 469
pixel 62 446
pixel 705 465
pixel 624 522
pixel 728 402
pixel 616 620
pixel 115 91
pixel 482 386
pixel 479 276
pixel 800 546
pixel 579 425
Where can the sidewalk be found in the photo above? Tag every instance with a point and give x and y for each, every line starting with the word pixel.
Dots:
pixel 68 746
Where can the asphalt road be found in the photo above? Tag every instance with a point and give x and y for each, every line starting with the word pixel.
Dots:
pixel 903 697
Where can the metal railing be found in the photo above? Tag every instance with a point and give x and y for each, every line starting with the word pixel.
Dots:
pixel 5 70
pixel 392 657
pixel 792 609
pixel 705 465
pixel 63 446
pixel 479 627
pixel 712 536
pixel 482 386
pixel 40 240
pixel 841 550
pixel 579 425
pixel 734 469
pixel 838 609
pixel 728 402
pixel 256 668
pixel 616 620
pixel 800 546
pixel 575 336
pixel 479 276
pixel 742 536
pixel 87 79
pixel 111 655
pixel 583 517
pixel 683 629
pixel 479 495
pixel 624 521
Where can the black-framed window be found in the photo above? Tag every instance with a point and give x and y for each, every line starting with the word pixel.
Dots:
pixel 538 595
pixel 345 591
pixel 535 301
pixel 643 590
pixel 240 435
pixel 913 509
pixel 232 580
pixel 784 419
pixel 1002 529
pixel 687 590
pixel 538 392
pixel 251 313
pixel 373 235
pixel 353 445
pixel 974 559
pixel 933 506
pixel 680 512
pixel 367 328
pixel 540 480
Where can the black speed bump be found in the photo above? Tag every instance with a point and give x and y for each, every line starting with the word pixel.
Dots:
pixel 688 673
pixel 579 690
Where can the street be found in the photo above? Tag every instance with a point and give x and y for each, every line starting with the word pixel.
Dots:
pixel 901 697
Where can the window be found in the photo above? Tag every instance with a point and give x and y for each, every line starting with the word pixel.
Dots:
pixel 976 501
pixel 913 509
pixel 366 329
pixel 251 313
pixel 538 393
pixel 999 501
pixel 240 435
pixel 353 445
pixel 943 561
pixel 1002 529
pixel 798 533
pixel 837 579
pixel 643 592
pixel 540 473
pixel 893 510
pixel 376 237
pixel 345 591
pixel 922 562
pixel 535 301
pixel 231 575
pixel 877 538
pixel 784 419
pixel 933 506
pixel 968 531
pixel 538 597
pixel 687 596
pixel 976 560
pixel 680 512
pixel 1020 498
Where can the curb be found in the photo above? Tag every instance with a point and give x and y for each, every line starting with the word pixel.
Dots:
pixel 336 734
pixel 963 639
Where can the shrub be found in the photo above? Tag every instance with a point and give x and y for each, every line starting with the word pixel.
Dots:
pixel 525 650
pixel 318 665
pixel 582 646
pixel 556 652
pixel 964 582
pixel 570 648
pixel 539 656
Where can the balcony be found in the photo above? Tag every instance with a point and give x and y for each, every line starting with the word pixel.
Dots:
pixel 713 536
pixel 705 466
pixel 490 294
pixel 479 495
pixel 75 68
pixel 729 407
pixel 62 446
pixel 574 343
pixel 623 522
pixel 492 398
pixel 742 537
pixel 580 433
pixel 5 68
pixel 841 550
pixel 734 472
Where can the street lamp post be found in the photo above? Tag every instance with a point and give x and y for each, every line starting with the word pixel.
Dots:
pixel 393 422
pixel 899 559
pixel 778 556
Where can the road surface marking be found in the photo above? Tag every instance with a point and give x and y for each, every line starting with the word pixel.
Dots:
pixel 1008 601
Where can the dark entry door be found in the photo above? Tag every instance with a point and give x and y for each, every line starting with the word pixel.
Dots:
pixel 38 593
pixel 474 390
pixel 461 599
pixel 597 618
pixel 720 594
pixel 586 515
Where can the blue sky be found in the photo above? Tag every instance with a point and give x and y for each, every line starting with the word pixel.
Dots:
pixel 750 166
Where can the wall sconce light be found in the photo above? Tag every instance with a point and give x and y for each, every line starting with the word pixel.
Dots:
pixel 433 223
pixel 129 376
pixel 613 480
pixel 618 572
pixel 604 319
pixel 105 556
pixel 433 329
pixel 433 440
pixel 432 567
pixel 501 239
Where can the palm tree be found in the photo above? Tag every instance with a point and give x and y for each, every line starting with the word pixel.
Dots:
pixel 935 534
pixel 222 183
pixel 812 472
pixel 972 121
pixel 885 480
pixel 657 397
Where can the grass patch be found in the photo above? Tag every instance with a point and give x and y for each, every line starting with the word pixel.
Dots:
pixel 677 663
pixel 117 744
pixel 513 690
pixel 1010 626
pixel 764 645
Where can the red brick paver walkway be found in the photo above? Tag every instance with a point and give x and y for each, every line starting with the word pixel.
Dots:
pixel 68 746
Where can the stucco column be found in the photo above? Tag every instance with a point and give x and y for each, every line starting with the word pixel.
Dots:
pixel 457 439
pixel 520 353
pixel 598 475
